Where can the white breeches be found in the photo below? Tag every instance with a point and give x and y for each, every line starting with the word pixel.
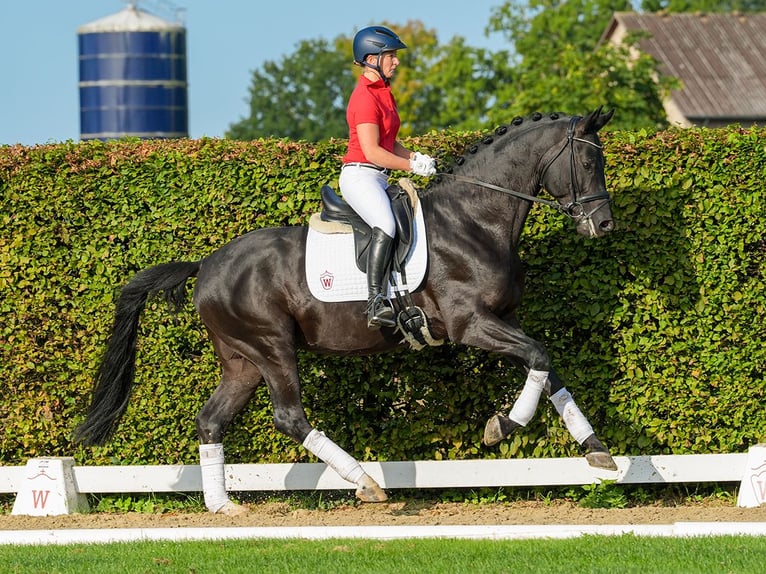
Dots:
pixel 364 189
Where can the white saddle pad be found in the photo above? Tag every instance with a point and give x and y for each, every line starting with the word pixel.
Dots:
pixel 331 269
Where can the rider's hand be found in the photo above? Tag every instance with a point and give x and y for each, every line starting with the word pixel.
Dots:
pixel 424 165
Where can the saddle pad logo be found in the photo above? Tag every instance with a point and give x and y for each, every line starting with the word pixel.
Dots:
pixel 326 280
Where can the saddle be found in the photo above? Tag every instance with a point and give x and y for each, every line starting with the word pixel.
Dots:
pixel 337 216
pixel 335 211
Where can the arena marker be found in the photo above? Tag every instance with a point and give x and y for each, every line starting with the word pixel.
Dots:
pixel 752 489
pixel 49 489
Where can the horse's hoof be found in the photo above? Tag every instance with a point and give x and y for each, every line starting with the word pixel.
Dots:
pixel 597 454
pixel 498 427
pixel 369 491
pixel 602 460
pixel 232 509
pixel 493 433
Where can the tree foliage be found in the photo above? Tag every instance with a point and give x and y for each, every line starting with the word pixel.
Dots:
pixel 437 86
pixel 300 97
pixel 561 65
pixel 442 86
pixel 555 61
pixel 540 30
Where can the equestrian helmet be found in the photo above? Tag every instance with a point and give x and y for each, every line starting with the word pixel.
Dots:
pixel 375 40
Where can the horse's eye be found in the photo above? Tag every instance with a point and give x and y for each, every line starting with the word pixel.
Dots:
pixel 587 164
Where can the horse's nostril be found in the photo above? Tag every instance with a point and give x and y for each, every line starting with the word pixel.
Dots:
pixel 607 225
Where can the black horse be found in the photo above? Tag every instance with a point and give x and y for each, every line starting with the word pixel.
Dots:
pixel 253 298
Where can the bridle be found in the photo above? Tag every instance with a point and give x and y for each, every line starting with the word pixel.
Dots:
pixel 575 208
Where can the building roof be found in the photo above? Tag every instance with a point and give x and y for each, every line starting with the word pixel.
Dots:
pixel 719 59
pixel 131 19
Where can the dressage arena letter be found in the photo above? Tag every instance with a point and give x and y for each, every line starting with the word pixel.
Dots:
pixel 752 489
pixel 49 489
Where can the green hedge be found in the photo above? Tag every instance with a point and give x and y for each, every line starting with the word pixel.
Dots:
pixel 657 329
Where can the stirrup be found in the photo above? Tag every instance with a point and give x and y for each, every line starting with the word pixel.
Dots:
pixel 379 313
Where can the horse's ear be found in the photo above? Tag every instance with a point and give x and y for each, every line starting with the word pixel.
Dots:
pixel 596 120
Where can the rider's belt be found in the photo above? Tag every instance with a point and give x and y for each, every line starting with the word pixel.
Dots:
pixel 370 166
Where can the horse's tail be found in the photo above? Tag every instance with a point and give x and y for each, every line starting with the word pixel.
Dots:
pixel 114 378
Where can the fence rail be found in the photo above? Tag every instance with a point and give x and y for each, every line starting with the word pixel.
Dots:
pixel 403 474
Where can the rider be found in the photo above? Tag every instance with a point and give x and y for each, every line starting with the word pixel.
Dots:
pixel 373 151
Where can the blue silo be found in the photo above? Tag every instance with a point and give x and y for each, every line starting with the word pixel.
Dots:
pixel 133 77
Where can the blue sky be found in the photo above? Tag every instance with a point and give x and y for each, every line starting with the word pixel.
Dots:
pixel 227 41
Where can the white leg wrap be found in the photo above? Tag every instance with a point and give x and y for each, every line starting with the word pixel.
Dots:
pixel 336 458
pixel 525 406
pixel 576 423
pixel 213 479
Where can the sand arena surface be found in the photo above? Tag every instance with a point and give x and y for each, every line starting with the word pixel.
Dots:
pixel 420 513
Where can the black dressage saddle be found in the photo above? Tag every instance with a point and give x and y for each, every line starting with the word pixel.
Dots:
pixel 335 210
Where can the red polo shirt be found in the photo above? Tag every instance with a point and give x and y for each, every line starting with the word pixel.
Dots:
pixel 371 103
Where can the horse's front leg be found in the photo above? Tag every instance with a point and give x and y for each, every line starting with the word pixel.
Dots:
pixel 495 334
pixel 499 426
pixel 578 426
pixel 505 336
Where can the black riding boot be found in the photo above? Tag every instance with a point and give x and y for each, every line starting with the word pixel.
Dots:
pixel 379 311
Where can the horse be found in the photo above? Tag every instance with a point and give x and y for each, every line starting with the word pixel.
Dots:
pixel 252 296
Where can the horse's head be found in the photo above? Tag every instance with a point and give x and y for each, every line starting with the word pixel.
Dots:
pixel 573 173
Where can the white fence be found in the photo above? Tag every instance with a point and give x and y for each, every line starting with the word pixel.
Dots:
pixel 403 475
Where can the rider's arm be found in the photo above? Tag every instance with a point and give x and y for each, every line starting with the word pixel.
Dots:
pixel 402 151
pixel 369 140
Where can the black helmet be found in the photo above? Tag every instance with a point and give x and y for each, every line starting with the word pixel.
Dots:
pixel 375 40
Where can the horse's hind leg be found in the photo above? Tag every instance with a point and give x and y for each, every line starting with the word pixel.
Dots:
pixel 290 418
pixel 239 379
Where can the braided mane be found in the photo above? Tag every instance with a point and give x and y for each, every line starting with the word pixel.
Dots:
pixel 517 127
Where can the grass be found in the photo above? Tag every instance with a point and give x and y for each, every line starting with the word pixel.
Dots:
pixel 589 554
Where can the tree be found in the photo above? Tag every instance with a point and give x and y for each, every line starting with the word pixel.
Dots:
pixel 582 81
pixel 557 64
pixel 560 65
pixel 458 89
pixel 540 29
pixel 438 86
pixel 443 86
pixel 302 96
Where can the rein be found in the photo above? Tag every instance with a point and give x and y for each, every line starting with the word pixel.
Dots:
pixel 507 191
pixel 573 209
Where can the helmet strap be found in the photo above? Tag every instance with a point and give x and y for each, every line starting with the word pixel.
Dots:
pixel 378 69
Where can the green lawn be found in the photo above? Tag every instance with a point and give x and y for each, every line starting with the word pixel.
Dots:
pixel 619 554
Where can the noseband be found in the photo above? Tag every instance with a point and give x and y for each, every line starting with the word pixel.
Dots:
pixel 575 208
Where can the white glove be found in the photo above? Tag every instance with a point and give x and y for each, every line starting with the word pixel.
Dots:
pixel 424 165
